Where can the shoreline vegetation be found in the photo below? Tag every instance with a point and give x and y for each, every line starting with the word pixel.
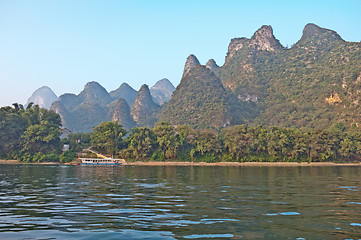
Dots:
pixel 32 135
pixel 215 164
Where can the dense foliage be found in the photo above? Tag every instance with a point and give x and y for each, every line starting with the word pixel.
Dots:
pixel 30 135
pixel 107 137
pixel 33 135
pixel 237 143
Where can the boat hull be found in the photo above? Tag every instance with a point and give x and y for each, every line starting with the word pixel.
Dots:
pixel 100 164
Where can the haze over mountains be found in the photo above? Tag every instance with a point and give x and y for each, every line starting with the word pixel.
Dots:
pixel 315 84
pixel 94 104
pixel 43 97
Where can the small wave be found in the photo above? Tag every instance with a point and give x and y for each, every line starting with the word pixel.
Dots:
pixel 356 224
pixel 281 203
pixel 289 213
pixel 350 188
pixel 195 236
pixel 283 214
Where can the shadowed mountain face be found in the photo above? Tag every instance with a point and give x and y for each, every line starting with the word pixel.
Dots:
pixel 162 91
pixel 126 92
pixel 144 110
pixel 43 97
pixel 199 101
pixel 80 113
pixel 119 111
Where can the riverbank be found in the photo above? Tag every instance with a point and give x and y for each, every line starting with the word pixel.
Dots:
pixel 17 162
pixel 243 164
pixel 218 164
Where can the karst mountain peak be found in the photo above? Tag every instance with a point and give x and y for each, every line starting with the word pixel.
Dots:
pixel 260 82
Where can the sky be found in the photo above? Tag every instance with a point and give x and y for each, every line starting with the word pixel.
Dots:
pixel 65 44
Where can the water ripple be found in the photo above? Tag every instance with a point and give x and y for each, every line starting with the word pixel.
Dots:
pixel 179 202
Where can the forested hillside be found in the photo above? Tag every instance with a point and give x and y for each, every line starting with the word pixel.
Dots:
pixel 314 84
pixel 198 101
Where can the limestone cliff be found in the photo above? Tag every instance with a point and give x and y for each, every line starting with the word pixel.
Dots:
pixel 144 108
pixel 162 91
pixel 212 65
pixel 44 97
pixel 264 40
pixel 191 62
pixel 119 111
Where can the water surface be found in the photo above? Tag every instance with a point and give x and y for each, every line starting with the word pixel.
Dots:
pixel 135 202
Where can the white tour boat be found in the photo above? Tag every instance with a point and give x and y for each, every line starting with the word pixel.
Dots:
pixel 101 161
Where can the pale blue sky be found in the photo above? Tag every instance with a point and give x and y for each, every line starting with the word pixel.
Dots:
pixel 65 44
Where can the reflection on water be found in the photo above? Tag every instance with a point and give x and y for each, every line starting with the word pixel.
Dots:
pixel 63 202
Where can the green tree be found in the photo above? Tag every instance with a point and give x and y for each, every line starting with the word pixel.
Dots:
pixel 141 143
pixel 108 136
pixel 78 141
pixel 237 140
pixel 323 145
pixel 12 126
pixel 41 140
pixel 167 139
pixel 207 145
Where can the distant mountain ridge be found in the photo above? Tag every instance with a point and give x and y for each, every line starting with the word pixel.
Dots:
pixel 124 91
pixel 94 104
pixel 314 84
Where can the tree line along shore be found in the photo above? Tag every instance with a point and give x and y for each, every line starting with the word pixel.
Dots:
pixel 204 164
pixel 33 135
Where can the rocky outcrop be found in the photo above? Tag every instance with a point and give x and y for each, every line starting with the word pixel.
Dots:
pixel 264 40
pixel 162 91
pixel 119 111
pixel 60 109
pixel 124 91
pixel 44 97
pixel 247 97
pixel 235 45
pixel 144 107
pixel 191 62
pixel 212 65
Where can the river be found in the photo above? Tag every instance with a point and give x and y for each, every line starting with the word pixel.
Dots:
pixel 168 202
